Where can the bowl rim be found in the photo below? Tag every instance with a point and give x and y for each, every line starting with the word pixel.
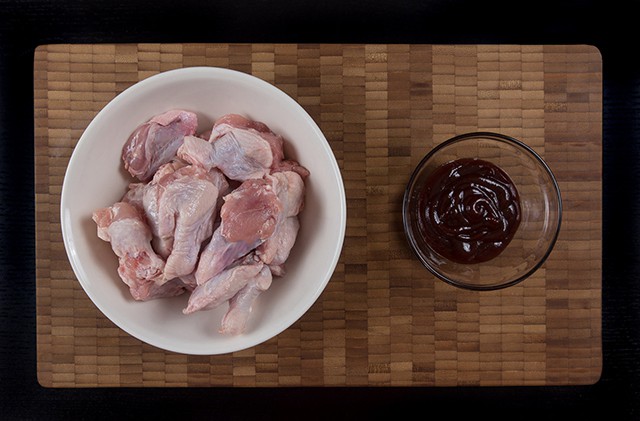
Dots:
pixel 69 242
pixel 501 138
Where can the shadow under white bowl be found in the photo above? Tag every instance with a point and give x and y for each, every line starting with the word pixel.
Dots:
pixel 95 178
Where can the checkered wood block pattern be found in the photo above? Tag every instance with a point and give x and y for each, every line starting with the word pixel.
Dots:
pixel 382 320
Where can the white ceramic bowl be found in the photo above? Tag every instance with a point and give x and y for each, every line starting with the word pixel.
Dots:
pixel 96 178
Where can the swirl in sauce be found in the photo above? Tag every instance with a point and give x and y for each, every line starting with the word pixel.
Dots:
pixel 469 210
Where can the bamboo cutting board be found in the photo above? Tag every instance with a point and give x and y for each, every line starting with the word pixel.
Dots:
pixel 382 320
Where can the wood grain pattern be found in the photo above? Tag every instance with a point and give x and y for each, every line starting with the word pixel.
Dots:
pixel 382 320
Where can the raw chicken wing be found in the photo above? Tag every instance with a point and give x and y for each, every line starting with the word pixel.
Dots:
pixel 275 250
pixel 187 210
pixel 231 122
pixel 222 287
pixel 242 149
pixel 138 265
pixel 180 203
pixel 239 154
pixel 248 217
pixel 240 305
pixel 151 196
pixel 145 197
pixel 218 254
pixel 155 142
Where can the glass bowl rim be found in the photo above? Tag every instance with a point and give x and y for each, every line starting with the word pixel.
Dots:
pixel 492 136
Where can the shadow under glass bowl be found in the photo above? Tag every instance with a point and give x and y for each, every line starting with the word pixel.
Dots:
pixel 540 203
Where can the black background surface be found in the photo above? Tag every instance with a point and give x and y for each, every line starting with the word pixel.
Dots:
pixel 609 25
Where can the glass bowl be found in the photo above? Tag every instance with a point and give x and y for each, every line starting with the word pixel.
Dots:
pixel 540 211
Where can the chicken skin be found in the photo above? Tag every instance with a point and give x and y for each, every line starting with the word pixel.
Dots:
pixel 155 142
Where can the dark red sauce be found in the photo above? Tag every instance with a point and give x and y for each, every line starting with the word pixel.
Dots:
pixel 469 210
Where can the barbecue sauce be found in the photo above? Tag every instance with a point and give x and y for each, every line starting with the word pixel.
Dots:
pixel 469 210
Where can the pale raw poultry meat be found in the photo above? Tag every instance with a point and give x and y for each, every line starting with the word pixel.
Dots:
pixel 155 142
pixel 134 195
pixel 275 251
pixel 188 207
pixel 124 227
pixel 290 165
pixel 151 290
pixel 239 285
pixel 138 265
pixel 180 203
pixel 145 197
pixel 240 305
pixel 248 217
pixel 223 286
pixel 189 281
pixel 240 154
pixel 230 122
pixel 215 214
pixel 289 188
pixel 197 151
pixel 151 195
pixel 242 149
pixel 218 254
pixel 250 212
pixel 167 169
